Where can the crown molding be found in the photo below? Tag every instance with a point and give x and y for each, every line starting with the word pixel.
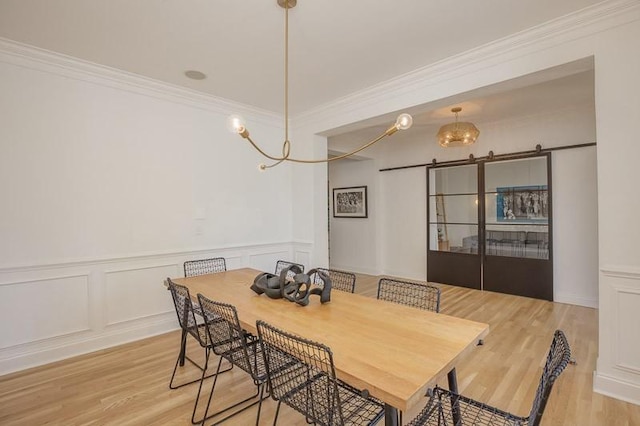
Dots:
pixel 34 58
pixel 602 16
pixel 583 23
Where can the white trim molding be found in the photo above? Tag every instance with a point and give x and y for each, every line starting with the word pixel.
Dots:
pixel 574 299
pixel 618 369
pixel 125 301
pixel 35 58
pixel 576 25
pixel 618 271
pixel 616 388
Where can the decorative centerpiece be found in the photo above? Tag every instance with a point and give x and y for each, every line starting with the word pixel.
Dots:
pixel 298 289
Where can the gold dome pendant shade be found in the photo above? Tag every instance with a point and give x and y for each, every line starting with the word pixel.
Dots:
pixel 460 133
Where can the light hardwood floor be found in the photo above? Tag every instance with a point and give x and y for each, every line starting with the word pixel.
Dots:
pixel 128 385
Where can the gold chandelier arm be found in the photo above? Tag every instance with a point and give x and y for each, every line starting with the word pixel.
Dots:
pixel 403 121
pixel 286 150
pixel 268 166
pixel 390 131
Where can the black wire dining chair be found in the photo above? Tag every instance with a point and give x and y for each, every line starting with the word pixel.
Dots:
pixel 340 280
pixel 240 348
pixel 448 408
pixel 193 268
pixel 301 374
pixel 282 264
pixel 418 295
pixel 192 324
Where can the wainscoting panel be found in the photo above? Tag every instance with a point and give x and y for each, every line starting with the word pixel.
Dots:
pixel 54 311
pixel 266 261
pixel 138 293
pixel 303 255
pixel 234 261
pixel 43 308
pixel 618 367
pixel 628 345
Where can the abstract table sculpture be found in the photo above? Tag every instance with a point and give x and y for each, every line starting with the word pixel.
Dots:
pixel 299 290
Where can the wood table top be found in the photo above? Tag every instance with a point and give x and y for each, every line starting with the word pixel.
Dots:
pixel 394 351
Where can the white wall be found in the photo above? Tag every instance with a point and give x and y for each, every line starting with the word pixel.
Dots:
pixel 403 237
pixel 575 226
pixel 352 241
pixel 399 248
pixel 109 183
pixel 607 31
pixel 617 112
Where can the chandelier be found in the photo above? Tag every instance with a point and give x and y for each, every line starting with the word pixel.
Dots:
pixel 236 124
pixel 457 134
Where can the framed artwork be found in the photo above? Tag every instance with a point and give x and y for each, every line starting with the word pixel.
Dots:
pixel 523 204
pixel 350 202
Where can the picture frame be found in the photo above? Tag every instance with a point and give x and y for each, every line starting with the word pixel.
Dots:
pixel 350 202
pixel 528 204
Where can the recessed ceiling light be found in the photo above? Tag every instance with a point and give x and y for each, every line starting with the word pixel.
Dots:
pixel 195 75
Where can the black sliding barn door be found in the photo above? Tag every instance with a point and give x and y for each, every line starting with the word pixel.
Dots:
pixel 518 245
pixel 490 226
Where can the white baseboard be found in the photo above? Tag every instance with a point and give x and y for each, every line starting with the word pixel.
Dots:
pixel 355 269
pixel 616 388
pixel 574 299
pixel 407 275
pixel 92 304
pixel 42 352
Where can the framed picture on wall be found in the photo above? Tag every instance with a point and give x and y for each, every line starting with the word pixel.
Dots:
pixel 523 204
pixel 350 202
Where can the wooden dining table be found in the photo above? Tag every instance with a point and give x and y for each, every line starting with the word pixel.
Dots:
pixel 395 352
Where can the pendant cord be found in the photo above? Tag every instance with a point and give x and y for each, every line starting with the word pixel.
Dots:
pixel 286 145
pixel 286 71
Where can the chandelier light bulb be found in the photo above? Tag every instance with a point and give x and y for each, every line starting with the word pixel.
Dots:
pixel 235 124
pixel 404 121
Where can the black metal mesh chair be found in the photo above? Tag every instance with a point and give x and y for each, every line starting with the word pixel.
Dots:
pixel 281 264
pixel 301 374
pixel 340 280
pixel 231 342
pixel 447 408
pixel 423 296
pixel 192 324
pixel 204 266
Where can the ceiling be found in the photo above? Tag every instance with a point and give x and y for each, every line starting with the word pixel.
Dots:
pixel 336 47
pixel 563 87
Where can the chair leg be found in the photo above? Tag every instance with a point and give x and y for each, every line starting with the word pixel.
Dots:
pixel 175 368
pixel 207 416
pixel 195 405
pixel 182 356
pixel 275 419
pixel 259 393
pixel 260 403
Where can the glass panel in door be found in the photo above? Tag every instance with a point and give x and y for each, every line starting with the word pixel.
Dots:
pixel 453 255
pixel 517 227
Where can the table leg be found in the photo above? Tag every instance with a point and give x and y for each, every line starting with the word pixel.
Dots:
pixel 183 347
pixel 453 388
pixel 390 415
